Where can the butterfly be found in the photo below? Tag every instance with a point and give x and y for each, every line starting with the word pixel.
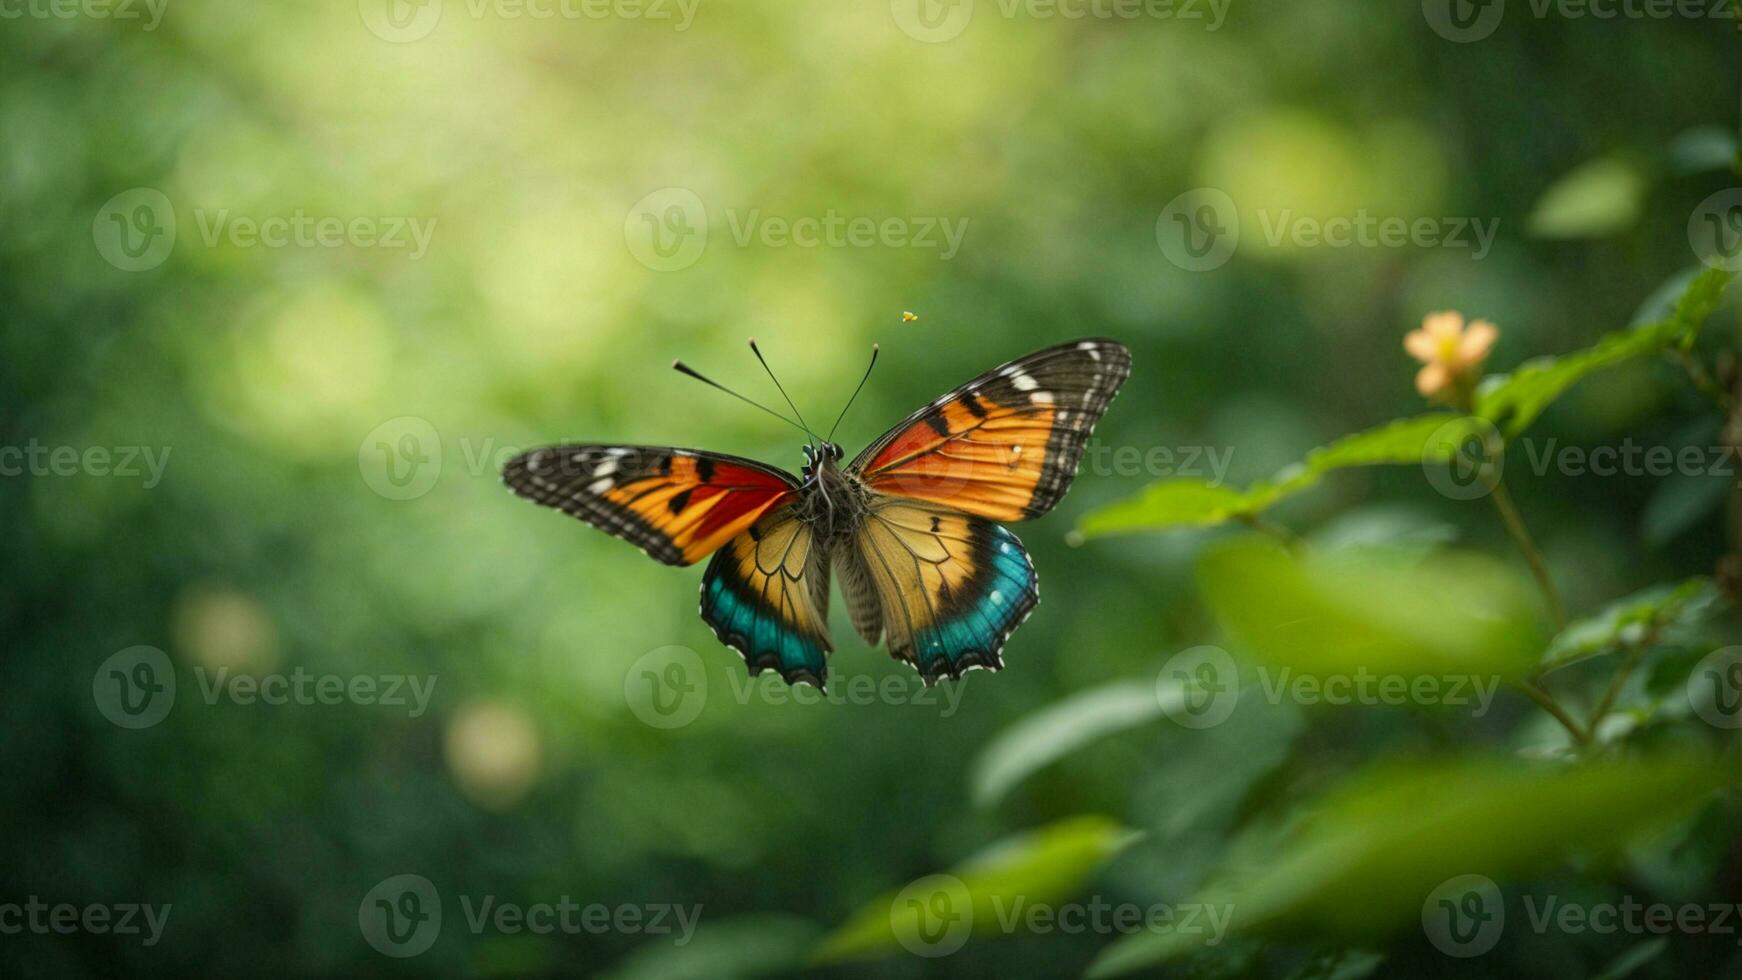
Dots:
pixel 913 526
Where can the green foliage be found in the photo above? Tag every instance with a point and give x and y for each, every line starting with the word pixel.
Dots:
pixel 1370 853
pixel 1514 400
pixel 1461 614
pixel 1036 867
pixel 1595 199
pixel 1058 730
pixel 1633 620
pixel 1188 502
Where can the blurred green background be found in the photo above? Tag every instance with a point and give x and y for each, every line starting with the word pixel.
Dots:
pixel 331 415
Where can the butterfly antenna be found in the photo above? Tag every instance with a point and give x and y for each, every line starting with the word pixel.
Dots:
pixel 758 352
pixel 683 368
pixel 855 394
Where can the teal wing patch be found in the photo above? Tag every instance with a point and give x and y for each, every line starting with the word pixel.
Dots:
pixel 766 595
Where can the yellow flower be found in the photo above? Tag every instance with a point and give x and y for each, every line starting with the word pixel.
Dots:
pixel 1448 350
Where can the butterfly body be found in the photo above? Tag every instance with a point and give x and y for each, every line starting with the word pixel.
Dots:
pixel 910 527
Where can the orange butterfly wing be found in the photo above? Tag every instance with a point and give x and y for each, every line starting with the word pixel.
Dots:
pixel 678 505
pixel 1006 445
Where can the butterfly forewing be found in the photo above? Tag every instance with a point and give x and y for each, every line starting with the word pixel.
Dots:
pixel 678 505
pixel 1005 445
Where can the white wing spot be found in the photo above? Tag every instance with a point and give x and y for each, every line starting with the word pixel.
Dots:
pixel 1094 353
pixel 997 598
pixel 1023 382
pixel 606 468
pixel 1041 398
pixel 598 487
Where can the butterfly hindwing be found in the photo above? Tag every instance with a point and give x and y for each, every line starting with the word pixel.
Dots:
pixel 678 505
pixel 952 587
pixel 1005 445
pixel 766 595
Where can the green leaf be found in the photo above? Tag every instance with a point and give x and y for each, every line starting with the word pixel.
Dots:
pixel 1341 614
pixel 1060 729
pixel 1623 966
pixel 746 946
pixel 1702 149
pixel 1701 298
pixel 1364 859
pixel 1597 198
pixel 1040 867
pixel 1181 502
pixel 1632 619
pixel 1513 401
pixel 1187 503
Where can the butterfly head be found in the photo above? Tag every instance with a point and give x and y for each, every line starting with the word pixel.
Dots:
pixel 825 458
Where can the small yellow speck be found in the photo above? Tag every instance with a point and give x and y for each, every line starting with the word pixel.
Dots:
pixel 908 316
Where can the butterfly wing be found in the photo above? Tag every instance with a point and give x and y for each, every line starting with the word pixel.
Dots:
pixel 951 587
pixel 1005 445
pixel 678 505
pixel 766 595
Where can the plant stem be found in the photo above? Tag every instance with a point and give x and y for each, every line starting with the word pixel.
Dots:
pixel 1635 653
pixel 1702 379
pixel 1539 568
pixel 1581 737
